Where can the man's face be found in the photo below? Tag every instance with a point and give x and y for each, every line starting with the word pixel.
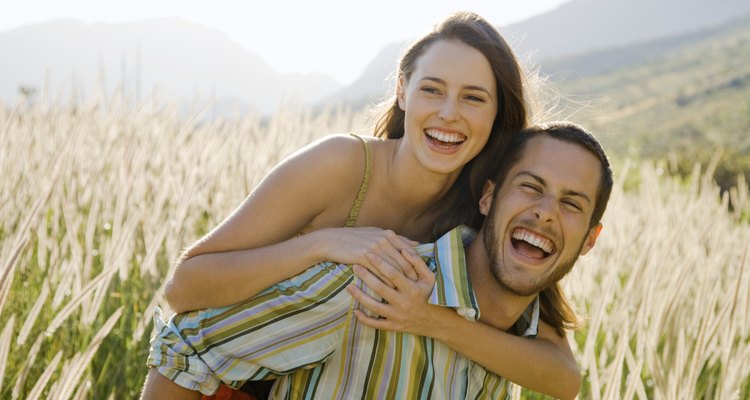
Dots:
pixel 539 223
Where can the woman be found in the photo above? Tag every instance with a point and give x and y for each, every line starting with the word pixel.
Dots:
pixel 458 99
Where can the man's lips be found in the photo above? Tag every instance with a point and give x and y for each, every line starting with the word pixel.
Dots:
pixel 531 244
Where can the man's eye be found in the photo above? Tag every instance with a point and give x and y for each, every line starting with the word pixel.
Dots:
pixel 572 204
pixel 531 187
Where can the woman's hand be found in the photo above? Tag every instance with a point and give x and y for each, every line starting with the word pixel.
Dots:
pixel 352 245
pixel 405 307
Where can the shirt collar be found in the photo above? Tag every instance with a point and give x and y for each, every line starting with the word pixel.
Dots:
pixel 447 258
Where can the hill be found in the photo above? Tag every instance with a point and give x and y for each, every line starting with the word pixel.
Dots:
pixel 179 60
pixel 578 27
pixel 683 98
pixel 581 26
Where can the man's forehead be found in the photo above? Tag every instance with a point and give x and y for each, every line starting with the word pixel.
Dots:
pixel 559 162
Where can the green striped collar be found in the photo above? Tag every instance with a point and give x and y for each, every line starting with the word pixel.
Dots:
pixel 447 258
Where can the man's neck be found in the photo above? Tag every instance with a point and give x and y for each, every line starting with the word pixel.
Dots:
pixel 499 308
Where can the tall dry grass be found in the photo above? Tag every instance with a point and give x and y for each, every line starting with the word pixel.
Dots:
pixel 97 200
pixel 665 292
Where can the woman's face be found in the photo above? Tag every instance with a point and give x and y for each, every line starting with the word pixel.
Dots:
pixel 450 102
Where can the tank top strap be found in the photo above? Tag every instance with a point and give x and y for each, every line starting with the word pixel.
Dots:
pixel 354 212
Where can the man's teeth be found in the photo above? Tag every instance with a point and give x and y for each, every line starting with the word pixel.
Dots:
pixel 535 240
pixel 445 137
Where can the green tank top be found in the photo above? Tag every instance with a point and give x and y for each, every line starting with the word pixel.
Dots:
pixel 354 212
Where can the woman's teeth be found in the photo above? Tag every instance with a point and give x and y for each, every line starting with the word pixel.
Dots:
pixel 445 136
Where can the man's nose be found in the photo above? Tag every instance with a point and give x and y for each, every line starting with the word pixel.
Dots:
pixel 545 209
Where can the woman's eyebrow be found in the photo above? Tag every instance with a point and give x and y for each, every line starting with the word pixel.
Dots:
pixel 469 87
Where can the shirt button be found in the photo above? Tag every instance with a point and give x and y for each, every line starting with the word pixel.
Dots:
pixel 471 313
pixel 461 312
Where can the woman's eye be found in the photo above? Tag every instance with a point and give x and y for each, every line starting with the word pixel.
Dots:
pixel 475 98
pixel 431 90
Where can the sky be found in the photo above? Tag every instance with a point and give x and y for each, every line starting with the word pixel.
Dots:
pixel 335 37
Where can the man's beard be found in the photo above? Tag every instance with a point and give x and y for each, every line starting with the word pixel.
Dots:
pixel 527 288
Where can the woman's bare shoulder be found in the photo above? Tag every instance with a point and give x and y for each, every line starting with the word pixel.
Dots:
pixel 337 156
pixel 340 147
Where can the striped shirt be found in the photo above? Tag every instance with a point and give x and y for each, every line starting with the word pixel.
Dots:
pixel 303 333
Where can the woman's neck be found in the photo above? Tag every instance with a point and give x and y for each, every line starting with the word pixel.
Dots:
pixel 413 185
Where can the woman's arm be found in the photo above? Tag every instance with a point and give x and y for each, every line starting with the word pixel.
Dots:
pixel 545 364
pixel 257 245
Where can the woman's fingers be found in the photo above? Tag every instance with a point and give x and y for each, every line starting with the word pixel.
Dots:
pixel 393 274
pixel 406 290
pixel 420 267
pixel 394 261
pixel 351 246
pixel 393 249
pixel 375 283
pixel 400 242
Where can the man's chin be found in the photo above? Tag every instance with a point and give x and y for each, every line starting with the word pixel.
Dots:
pixel 516 288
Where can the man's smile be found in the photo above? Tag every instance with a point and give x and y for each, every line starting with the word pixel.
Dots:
pixel 531 244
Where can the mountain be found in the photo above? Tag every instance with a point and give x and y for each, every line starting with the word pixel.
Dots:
pixel 582 26
pixel 180 61
pixel 376 80
pixel 683 99
pixel 622 57
pixel 176 59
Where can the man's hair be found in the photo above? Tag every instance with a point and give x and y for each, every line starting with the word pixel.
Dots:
pixel 567 132
pixel 555 309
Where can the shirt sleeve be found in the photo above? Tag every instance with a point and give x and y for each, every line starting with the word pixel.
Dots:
pixel 295 324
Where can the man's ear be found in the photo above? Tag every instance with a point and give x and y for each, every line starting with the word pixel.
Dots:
pixel 485 202
pixel 590 240
pixel 400 93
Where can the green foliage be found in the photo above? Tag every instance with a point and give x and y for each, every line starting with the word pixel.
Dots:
pixel 731 164
pixel 683 98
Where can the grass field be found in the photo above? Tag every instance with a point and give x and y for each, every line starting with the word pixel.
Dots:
pixel 97 200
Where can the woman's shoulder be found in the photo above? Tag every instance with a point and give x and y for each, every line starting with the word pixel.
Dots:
pixel 338 157
pixel 343 143
pixel 340 150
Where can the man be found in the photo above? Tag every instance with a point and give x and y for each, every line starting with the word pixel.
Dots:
pixel 543 212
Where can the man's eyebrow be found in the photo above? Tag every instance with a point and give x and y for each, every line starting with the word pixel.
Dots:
pixel 467 87
pixel 542 182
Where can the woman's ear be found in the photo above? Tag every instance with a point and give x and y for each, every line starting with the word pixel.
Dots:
pixel 485 202
pixel 400 93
